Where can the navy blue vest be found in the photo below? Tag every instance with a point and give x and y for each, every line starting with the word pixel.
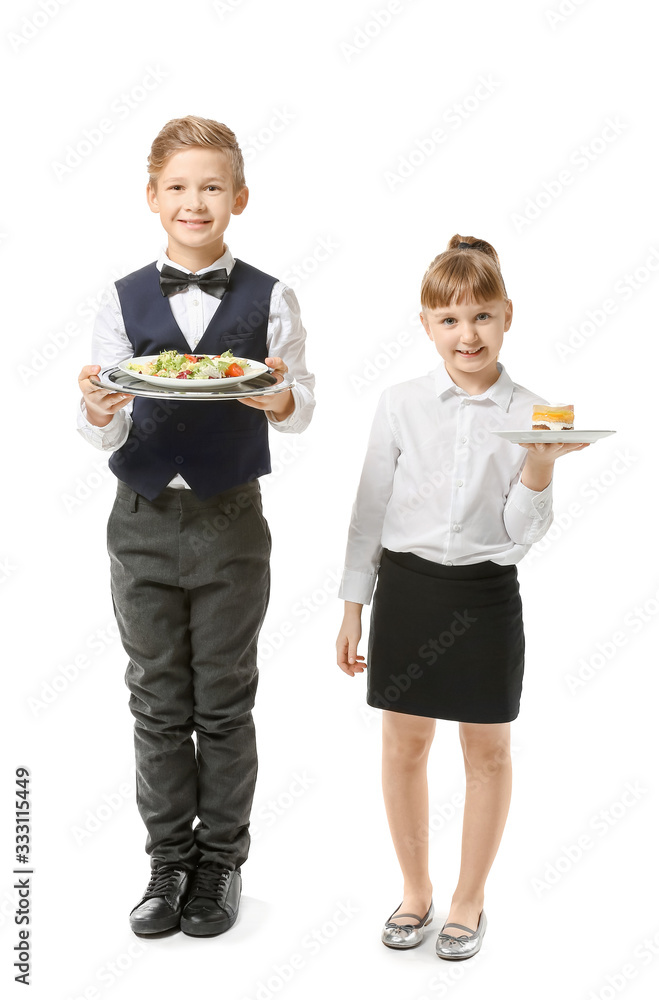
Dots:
pixel 214 445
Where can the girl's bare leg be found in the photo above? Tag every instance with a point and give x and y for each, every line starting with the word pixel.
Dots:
pixel 488 768
pixel 406 741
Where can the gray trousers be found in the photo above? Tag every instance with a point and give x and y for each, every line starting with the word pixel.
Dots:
pixel 190 582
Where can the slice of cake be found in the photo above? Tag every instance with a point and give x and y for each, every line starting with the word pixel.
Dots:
pixel 553 418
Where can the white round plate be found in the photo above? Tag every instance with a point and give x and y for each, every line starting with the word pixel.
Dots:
pixel 255 368
pixel 553 437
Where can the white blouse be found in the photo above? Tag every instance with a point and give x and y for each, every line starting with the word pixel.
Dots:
pixel 437 482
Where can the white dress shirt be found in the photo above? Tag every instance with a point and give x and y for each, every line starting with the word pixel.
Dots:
pixel 437 482
pixel 193 310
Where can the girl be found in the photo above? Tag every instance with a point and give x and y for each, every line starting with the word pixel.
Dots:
pixel 444 511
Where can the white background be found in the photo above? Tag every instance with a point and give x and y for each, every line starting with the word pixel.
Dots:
pixel 327 104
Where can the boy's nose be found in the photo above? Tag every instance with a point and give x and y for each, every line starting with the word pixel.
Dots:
pixel 194 202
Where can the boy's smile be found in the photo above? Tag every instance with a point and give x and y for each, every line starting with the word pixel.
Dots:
pixel 469 337
pixel 195 200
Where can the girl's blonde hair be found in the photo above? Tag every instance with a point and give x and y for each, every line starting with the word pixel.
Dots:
pixel 179 133
pixel 463 274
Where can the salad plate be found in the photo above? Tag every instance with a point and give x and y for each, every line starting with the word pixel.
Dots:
pixel 198 371
pixel 267 383
pixel 553 437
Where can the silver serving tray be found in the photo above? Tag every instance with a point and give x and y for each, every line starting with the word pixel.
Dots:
pixel 266 384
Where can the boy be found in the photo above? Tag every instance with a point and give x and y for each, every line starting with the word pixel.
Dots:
pixel 188 544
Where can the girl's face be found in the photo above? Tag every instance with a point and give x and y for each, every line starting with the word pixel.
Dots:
pixel 469 337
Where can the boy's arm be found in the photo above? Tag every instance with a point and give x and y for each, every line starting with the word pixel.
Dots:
pixel 109 346
pixel 286 339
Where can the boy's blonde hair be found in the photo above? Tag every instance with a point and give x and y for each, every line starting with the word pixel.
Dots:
pixel 461 274
pixel 179 133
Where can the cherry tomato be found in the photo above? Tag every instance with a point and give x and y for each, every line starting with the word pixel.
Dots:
pixel 234 370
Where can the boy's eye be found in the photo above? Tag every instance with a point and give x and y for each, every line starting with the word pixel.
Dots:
pixel 482 316
pixel 449 320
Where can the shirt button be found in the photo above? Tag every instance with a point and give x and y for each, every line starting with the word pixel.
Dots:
pixel 457 527
pixel 466 402
pixel 541 504
pixel 459 482
pixel 180 427
pixel 464 440
pixel 179 459
pixel 447 563
pixel 195 302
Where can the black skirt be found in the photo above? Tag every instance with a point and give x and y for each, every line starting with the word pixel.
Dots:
pixel 446 642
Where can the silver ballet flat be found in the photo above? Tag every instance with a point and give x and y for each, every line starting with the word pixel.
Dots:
pixel 406 935
pixel 455 948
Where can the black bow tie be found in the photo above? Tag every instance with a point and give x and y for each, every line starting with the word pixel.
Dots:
pixel 213 282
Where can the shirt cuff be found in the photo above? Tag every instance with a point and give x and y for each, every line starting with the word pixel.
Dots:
pixel 532 503
pixel 295 422
pixel 107 438
pixel 357 587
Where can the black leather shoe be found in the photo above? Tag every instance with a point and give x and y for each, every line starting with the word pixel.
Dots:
pixel 160 907
pixel 213 900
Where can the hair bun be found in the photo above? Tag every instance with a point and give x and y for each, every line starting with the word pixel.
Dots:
pixel 458 242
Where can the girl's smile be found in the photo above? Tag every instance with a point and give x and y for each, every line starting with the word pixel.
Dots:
pixel 468 336
pixel 470 353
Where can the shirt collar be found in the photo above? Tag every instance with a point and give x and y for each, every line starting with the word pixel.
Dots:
pixel 226 260
pixel 500 392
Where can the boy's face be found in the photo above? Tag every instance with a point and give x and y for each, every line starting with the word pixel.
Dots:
pixel 195 199
pixel 469 336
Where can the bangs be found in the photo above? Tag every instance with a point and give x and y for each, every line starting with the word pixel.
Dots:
pixel 457 278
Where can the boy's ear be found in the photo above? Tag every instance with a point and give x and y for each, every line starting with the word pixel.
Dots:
pixel 152 198
pixel 240 202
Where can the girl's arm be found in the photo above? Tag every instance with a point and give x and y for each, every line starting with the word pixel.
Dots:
pixel 348 639
pixel 538 469
pixel 364 547
pixel 528 512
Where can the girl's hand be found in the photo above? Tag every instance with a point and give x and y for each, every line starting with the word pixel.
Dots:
pixel 539 465
pixel 347 641
pixel 281 405
pixel 547 453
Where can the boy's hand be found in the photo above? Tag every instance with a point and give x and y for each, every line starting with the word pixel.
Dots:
pixel 279 406
pixel 347 641
pixel 101 404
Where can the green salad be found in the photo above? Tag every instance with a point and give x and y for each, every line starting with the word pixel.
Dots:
pixel 171 364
